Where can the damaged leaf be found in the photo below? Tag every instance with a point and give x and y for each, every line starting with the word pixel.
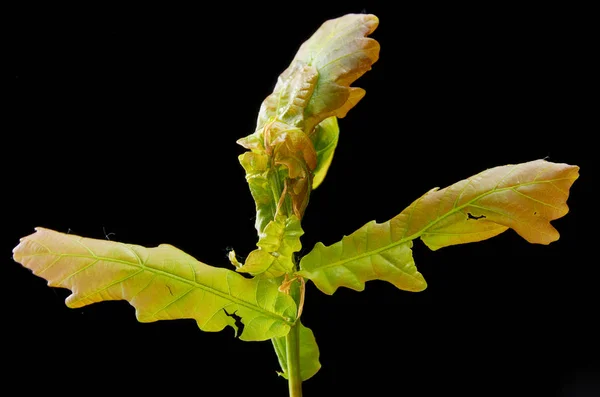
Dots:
pixel 162 283
pixel 524 197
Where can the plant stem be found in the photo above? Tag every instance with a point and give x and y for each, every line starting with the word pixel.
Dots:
pixel 292 343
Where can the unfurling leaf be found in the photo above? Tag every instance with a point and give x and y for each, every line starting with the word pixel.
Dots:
pixel 340 52
pixel 162 283
pixel 524 197
pixel 325 140
pixel 276 247
pixel 309 353
pixel 316 85
pixel 308 96
pixel 257 170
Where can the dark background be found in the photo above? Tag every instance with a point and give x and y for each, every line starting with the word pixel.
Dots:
pixel 124 122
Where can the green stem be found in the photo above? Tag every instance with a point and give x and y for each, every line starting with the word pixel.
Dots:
pixel 292 345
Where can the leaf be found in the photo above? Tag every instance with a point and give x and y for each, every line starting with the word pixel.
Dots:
pixel 286 157
pixel 309 353
pixel 162 283
pixel 370 253
pixel 325 140
pixel 290 96
pixel 341 53
pixel 257 175
pixel 293 150
pixel 316 85
pixel 524 197
pixel 276 247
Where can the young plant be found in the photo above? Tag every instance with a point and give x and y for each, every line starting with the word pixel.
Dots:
pixel 288 156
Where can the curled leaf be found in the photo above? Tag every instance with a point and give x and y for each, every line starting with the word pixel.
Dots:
pixel 162 283
pixel 316 85
pixel 290 96
pixel 257 169
pixel 314 89
pixel 341 53
pixel 276 247
pixel 524 197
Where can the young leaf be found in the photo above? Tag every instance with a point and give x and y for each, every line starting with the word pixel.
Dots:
pixel 276 247
pixel 524 197
pixel 289 98
pixel 340 52
pixel 316 85
pixel 257 175
pixel 325 140
pixel 309 353
pixel 293 150
pixel 162 283
pixel 278 167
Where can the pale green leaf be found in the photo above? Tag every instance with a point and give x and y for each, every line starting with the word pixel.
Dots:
pixel 524 197
pixel 370 253
pixel 309 353
pixel 325 140
pixel 162 283
pixel 257 170
pixel 276 247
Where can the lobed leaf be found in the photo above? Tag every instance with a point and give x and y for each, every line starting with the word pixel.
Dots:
pixel 340 52
pixel 524 197
pixel 308 96
pixel 162 283
pixel 316 85
pixel 276 247
pixel 290 96
pixel 309 353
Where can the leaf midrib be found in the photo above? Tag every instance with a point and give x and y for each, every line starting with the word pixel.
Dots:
pixel 172 276
pixel 428 226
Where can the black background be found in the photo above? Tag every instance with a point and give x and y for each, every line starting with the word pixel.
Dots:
pixel 124 122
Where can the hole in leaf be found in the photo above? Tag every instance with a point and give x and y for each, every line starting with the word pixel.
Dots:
pixel 238 322
pixel 471 216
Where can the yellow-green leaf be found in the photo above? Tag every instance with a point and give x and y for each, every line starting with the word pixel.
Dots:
pixel 325 139
pixel 257 170
pixel 524 197
pixel 309 353
pixel 162 283
pixel 276 247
